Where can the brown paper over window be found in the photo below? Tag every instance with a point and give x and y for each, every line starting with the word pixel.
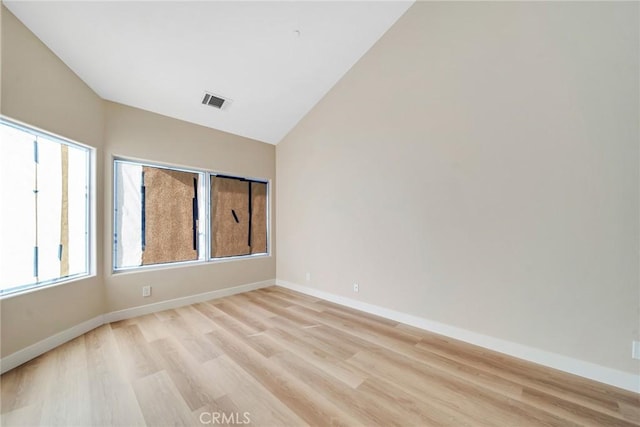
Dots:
pixel 258 217
pixel 238 217
pixel 169 217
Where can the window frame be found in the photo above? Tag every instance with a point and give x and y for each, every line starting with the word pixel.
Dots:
pixel 89 211
pixel 114 247
pixel 204 222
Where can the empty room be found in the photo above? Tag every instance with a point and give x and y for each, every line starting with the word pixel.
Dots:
pixel 299 213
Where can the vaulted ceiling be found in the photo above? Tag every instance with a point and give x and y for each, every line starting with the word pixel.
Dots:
pixel 273 61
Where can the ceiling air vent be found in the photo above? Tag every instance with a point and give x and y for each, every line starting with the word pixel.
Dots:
pixel 213 100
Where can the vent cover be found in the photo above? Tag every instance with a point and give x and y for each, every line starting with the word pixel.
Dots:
pixel 213 100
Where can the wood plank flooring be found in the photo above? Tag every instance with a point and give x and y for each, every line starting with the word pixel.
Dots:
pixel 273 357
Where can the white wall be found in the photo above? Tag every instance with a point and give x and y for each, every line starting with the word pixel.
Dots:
pixel 479 167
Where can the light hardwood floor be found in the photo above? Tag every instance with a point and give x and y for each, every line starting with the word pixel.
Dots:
pixel 274 357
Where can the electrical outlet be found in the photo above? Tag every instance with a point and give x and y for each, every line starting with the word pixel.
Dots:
pixel 308 276
pixel 356 287
pixel 635 349
pixel 146 291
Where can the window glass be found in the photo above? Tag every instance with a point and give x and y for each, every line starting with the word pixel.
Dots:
pixel 168 215
pixel 17 210
pixel 258 217
pixel 44 215
pixel 157 214
pixel 238 216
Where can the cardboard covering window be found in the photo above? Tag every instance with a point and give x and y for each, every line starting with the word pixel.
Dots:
pixel 238 217
pixel 258 217
pixel 170 225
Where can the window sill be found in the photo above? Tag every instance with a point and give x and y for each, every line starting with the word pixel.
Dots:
pixel 212 261
pixel 36 288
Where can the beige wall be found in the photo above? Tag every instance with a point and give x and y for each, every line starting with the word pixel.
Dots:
pixel 39 89
pixel 479 167
pixel 137 134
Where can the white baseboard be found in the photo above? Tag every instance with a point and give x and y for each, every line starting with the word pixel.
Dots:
pixel 129 313
pixel 24 355
pixel 624 380
pixel 31 352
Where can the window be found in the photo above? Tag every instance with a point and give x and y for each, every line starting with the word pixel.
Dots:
pixel 156 215
pixel 238 217
pixel 158 212
pixel 44 214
